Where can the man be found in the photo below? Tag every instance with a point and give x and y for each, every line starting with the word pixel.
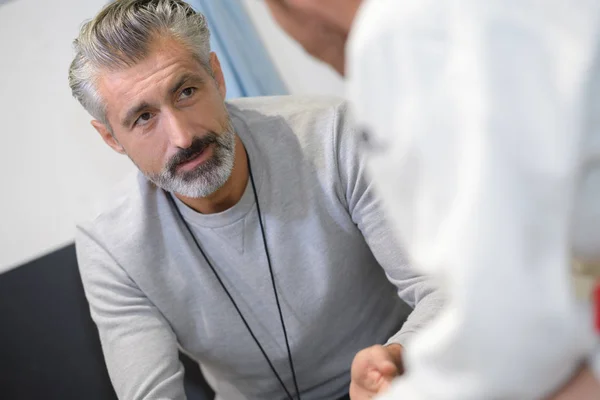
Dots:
pixel 482 122
pixel 250 240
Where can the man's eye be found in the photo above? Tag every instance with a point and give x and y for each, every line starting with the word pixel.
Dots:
pixel 187 92
pixel 143 119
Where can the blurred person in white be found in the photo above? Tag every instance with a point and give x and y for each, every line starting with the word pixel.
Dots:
pixel 482 121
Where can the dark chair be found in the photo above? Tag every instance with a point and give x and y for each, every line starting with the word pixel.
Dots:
pixel 49 345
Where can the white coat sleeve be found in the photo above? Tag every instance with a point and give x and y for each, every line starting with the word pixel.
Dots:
pixel 473 113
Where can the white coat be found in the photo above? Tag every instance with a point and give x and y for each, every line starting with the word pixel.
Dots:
pixel 483 127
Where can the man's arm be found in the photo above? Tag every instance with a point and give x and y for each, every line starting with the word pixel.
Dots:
pixel 418 291
pixel 374 368
pixel 139 346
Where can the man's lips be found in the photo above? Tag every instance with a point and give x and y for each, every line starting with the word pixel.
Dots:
pixel 196 160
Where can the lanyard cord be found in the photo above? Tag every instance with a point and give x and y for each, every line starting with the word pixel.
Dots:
pixel 264 237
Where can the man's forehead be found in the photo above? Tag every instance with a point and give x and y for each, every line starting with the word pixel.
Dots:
pixel 132 81
pixel 150 78
pixel 164 62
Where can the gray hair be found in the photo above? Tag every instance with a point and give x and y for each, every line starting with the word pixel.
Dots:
pixel 120 36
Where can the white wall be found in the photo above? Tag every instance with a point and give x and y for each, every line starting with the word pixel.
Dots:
pixel 51 159
pixel 52 162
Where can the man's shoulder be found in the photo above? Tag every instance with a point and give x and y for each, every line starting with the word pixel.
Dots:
pixel 312 121
pixel 115 213
pixel 288 107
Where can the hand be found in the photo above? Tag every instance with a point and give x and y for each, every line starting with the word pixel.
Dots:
pixel 320 37
pixel 373 370
pixel 583 386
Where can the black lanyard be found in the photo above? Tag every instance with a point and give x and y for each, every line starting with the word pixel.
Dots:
pixel 264 237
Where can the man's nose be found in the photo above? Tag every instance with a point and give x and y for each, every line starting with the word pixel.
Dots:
pixel 180 133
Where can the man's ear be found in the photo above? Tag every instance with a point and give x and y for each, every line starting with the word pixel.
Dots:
pixel 108 137
pixel 215 65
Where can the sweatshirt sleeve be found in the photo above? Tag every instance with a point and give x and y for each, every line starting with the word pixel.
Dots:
pixel 139 346
pixel 420 292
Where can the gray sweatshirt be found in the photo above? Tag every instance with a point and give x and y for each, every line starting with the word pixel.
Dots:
pixel 342 279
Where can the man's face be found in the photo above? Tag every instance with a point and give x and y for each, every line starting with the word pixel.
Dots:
pixel 320 26
pixel 338 12
pixel 167 113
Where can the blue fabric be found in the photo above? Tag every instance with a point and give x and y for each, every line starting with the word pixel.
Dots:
pixel 246 64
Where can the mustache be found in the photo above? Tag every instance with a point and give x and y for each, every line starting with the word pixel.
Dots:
pixel 199 144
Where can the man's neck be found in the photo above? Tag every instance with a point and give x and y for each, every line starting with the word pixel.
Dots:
pixel 228 195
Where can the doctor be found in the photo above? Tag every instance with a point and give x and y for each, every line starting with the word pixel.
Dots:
pixel 481 121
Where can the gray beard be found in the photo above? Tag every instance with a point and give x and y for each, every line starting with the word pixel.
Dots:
pixel 206 178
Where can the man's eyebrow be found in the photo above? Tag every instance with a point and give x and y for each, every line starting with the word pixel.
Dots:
pixel 183 80
pixel 133 112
